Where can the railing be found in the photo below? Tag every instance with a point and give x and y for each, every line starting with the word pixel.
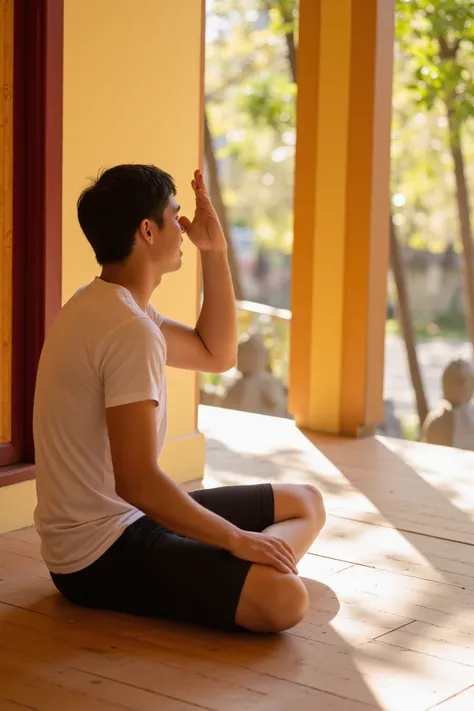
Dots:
pixel 274 327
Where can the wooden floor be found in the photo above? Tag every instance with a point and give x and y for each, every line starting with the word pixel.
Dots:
pixel 391 580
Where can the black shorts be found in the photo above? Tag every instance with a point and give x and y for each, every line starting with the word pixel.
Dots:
pixel 153 572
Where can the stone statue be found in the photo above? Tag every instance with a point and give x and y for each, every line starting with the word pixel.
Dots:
pixel 257 389
pixel 452 424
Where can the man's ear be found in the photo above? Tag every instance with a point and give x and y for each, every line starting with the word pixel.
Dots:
pixel 146 231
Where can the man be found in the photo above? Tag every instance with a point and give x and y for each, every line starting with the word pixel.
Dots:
pixel 116 532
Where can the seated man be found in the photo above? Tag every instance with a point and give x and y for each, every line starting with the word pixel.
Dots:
pixel 116 532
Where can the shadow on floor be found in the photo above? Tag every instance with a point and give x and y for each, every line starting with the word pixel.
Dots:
pixel 48 646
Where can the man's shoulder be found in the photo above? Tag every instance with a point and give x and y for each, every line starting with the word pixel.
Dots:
pixel 136 337
pixel 134 326
pixel 100 311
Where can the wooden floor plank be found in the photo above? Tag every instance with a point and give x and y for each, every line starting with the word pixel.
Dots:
pixel 420 599
pixel 464 701
pixel 19 669
pixel 369 673
pixel 402 679
pixel 40 596
pixel 9 705
pixel 12 565
pixel 45 696
pixel 388 549
pixel 14 543
pixel 191 676
pixel 315 567
pixel 28 535
pixel 443 642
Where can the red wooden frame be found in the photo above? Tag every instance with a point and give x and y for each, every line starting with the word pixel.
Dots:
pixel 37 202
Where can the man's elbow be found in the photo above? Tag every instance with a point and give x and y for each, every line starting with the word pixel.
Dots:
pixel 223 364
pixel 125 491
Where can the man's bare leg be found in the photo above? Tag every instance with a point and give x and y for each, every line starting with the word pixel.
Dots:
pixel 272 601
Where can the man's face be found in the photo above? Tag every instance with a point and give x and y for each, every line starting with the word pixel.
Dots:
pixel 167 240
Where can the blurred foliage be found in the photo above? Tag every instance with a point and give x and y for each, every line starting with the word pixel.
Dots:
pixel 410 427
pixel 250 98
pixel 434 56
pixel 438 35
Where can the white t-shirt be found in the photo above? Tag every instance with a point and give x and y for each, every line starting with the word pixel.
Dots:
pixel 101 351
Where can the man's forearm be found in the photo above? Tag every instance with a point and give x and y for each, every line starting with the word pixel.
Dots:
pixel 166 503
pixel 217 323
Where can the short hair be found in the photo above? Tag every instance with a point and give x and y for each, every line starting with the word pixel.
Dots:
pixel 111 209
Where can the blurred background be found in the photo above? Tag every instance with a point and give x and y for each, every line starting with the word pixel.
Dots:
pixel 250 138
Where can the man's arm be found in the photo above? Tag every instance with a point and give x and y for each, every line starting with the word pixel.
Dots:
pixel 139 480
pixel 212 345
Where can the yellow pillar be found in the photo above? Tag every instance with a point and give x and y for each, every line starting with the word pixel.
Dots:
pixel 340 256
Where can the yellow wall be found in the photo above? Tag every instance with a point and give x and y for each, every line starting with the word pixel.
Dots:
pixel 17 503
pixel 132 93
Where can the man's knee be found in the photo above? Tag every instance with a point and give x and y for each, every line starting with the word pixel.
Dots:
pixel 308 503
pixel 288 603
pixel 299 501
pixel 272 601
pixel 314 500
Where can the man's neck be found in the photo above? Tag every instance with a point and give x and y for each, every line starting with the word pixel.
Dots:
pixel 140 285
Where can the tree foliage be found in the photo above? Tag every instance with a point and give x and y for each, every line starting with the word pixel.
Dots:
pixel 439 36
pixel 251 105
pixel 250 97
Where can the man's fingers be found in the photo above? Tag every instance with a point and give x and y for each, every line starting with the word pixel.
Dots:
pixel 290 563
pixel 285 563
pixel 198 182
pixel 202 195
pixel 185 223
pixel 285 547
pixel 286 553
pixel 290 551
pixel 279 564
pixel 282 558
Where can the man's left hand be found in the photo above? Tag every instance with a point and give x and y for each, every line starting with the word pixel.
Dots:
pixel 205 231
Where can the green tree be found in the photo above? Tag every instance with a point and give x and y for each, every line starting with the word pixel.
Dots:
pixel 438 35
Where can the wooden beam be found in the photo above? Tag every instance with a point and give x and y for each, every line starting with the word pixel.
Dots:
pixel 6 217
pixel 35 56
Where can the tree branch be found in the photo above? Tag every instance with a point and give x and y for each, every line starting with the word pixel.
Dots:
pixel 216 197
pixel 289 21
pixel 447 51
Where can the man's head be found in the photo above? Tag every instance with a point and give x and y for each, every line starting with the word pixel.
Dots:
pixel 130 209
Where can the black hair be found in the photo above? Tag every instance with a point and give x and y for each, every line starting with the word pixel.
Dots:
pixel 111 209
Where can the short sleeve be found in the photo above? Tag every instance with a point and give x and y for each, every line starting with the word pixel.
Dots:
pixel 156 317
pixel 133 363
